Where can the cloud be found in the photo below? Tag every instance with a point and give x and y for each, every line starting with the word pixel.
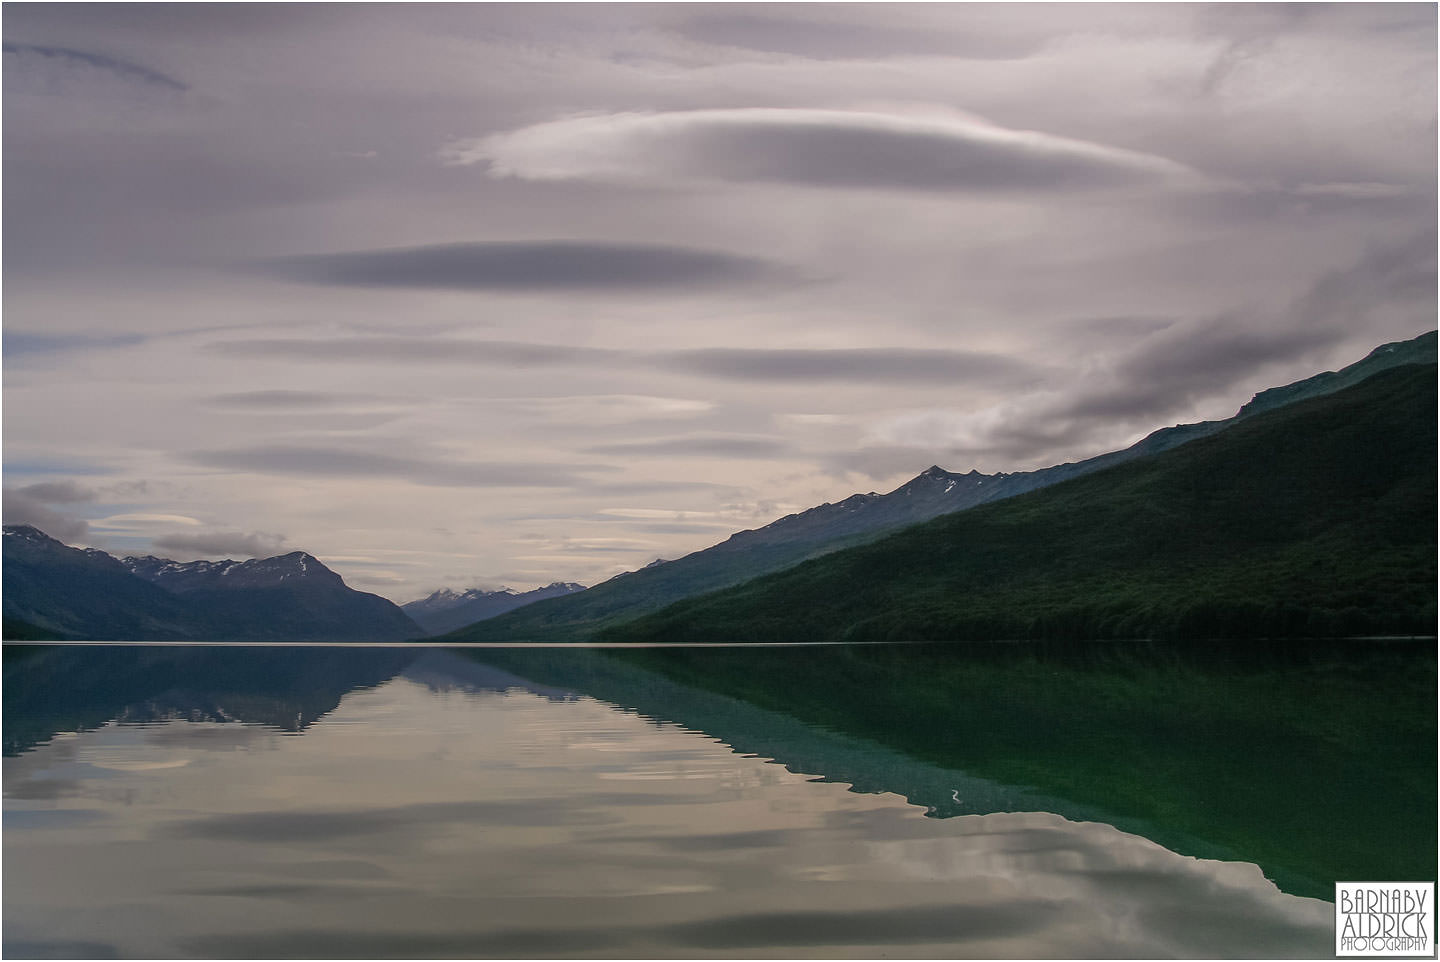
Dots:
pixel 705 447
pixel 1355 191
pixel 314 461
pixel 439 350
pixel 244 544
pixel 874 365
pixel 1104 401
pixel 88 60
pixel 57 492
pixel 526 266
pixel 1193 360
pixel 283 400
pixel 835 40
pixel 816 148
pixel 31 505
pixel 18 344
pixel 1162 375
pixel 143 522
pixel 596 409
pixel 804 365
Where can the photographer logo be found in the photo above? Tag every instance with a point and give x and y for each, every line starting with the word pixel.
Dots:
pixel 1395 919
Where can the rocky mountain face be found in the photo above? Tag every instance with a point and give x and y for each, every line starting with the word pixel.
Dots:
pixel 864 517
pixel 87 594
pixel 447 610
pixel 185 576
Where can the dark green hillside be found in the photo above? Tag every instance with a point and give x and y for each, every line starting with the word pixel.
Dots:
pixel 1317 518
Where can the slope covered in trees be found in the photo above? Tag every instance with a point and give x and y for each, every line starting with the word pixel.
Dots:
pixel 1317 518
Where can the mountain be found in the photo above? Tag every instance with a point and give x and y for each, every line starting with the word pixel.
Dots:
pixel 445 610
pixel 51 589
pixel 861 518
pixel 1317 518
pixel 293 597
pixel 76 593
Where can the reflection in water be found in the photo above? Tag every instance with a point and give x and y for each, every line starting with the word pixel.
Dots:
pixel 443 806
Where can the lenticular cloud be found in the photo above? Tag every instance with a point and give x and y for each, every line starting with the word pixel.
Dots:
pixel 820 148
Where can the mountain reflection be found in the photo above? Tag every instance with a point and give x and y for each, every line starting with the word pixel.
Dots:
pixel 52 689
pixel 1315 763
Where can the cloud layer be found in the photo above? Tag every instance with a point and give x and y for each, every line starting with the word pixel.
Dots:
pixel 816 148
pixel 434 287
pixel 525 266
pixel 771 365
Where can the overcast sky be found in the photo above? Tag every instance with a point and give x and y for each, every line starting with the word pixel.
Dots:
pixel 461 295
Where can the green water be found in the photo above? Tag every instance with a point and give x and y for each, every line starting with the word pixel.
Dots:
pixel 994 800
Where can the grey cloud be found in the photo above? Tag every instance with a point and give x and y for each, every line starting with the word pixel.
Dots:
pixel 1391 287
pixel 1251 30
pixel 314 461
pixel 123 69
pixel 1194 360
pixel 1198 359
pixel 880 461
pixel 57 492
pixel 621 489
pixel 721 447
pixel 818 148
pixel 19 344
pixel 1398 277
pixel 874 365
pixel 799 365
pixel 245 544
pixel 829 39
pixel 287 400
pixel 32 505
pixel 173 21
pixel 1128 327
pixel 442 350
pixel 526 266
pixel 679 527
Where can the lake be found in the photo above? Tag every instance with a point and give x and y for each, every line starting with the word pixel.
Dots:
pixel 1001 800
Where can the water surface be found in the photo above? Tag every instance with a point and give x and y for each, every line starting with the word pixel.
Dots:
pixel 378 802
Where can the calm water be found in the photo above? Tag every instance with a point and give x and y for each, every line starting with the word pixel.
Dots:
pixel 904 801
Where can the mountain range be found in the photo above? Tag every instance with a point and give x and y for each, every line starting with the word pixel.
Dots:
pixel 447 610
pixel 862 518
pixel 52 590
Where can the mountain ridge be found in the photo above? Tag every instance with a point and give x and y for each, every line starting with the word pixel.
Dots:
pixel 87 594
pixel 1316 518
pixel 828 527
pixel 445 610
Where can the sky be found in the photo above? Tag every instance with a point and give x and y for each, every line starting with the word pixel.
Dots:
pixel 463 295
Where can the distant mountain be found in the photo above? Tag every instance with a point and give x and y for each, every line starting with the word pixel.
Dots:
pixel 446 610
pixel 864 517
pixel 293 597
pixel 1317 518
pixel 53 589
pixel 74 593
